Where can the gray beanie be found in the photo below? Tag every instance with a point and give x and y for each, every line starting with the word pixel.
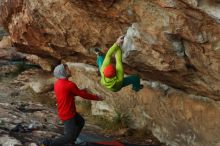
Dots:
pixel 59 72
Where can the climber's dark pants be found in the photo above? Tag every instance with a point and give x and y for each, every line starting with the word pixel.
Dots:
pixel 72 129
pixel 133 79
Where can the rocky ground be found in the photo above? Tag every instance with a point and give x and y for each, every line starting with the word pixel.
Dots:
pixel 36 113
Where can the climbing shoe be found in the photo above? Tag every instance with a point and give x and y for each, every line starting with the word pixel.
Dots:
pixel 96 51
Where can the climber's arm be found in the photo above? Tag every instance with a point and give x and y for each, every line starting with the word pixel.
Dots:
pixel 110 52
pixel 119 65
pixel 107 59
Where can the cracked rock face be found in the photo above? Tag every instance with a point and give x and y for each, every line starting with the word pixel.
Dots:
pixel 175 45
pixel 174 42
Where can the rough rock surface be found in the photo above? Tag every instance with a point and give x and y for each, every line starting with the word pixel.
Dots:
pixel 175 42
pixel 36 79
pixel 41 121
pixel 7 52
pixel 6 69
pixel 2 32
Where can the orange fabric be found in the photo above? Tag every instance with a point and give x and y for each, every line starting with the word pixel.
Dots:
pixel 109 71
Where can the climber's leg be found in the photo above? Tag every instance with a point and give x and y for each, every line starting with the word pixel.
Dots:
pixel 134 80
pixel 99 61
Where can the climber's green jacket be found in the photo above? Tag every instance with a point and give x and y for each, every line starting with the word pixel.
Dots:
pixel 115 83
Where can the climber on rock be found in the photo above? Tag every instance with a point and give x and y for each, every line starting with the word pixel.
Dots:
pixel 65 92
pixel 112 76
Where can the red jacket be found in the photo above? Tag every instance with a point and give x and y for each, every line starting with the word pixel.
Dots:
pixel 65 92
